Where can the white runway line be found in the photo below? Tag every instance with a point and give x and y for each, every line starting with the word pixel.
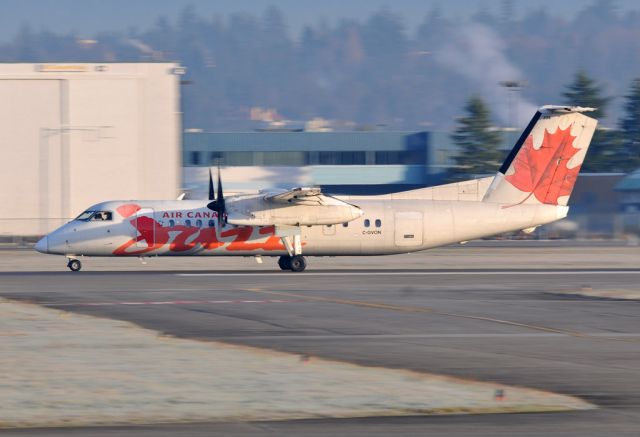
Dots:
pixel 425 336
pixel 164 302
pixel 461 273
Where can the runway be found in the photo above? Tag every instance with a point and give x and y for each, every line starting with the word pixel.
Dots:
pixel 518 326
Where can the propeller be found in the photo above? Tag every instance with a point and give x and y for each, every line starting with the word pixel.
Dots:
pixel 217 203
pixel 212 193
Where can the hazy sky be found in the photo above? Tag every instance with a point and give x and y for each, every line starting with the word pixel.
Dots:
pixel 86 17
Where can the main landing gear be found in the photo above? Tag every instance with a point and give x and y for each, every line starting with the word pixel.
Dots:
pixel 295 263
pixel 74 265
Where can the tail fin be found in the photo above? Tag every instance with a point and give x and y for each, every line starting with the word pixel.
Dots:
pixel 545 162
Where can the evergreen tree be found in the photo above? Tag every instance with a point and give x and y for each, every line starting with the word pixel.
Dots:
pixel 478 142
pixel 603 155
pixel 584 91
pixel 630 126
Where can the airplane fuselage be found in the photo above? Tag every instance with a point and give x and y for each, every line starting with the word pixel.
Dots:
pixel 387 226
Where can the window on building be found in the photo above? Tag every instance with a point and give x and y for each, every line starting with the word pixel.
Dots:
pixel 341 158
pixel 400 157
pixel 327 158
pixel 352 158
pixel 378 223
pixel 194 158
pixel 367 223
pixel 239 158
pixel 284 159
pixel 215 158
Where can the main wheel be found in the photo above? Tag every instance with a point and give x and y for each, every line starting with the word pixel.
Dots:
pixel 284 262
pixel 74 265
pixel 298 263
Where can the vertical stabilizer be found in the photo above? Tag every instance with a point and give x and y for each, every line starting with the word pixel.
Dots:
pixel 543 166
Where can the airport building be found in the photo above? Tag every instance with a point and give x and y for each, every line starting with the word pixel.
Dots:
pixel 72 135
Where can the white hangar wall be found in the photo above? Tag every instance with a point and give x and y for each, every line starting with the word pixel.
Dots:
pixel 72 135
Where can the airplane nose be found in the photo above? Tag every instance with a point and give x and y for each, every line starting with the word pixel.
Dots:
pixel 42 245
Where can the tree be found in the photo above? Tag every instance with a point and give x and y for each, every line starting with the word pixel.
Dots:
pixel 584 91
pixel 630 127
pixel 603 155
pixel 478 142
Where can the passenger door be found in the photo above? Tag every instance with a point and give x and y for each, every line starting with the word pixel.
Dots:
pixel 408 229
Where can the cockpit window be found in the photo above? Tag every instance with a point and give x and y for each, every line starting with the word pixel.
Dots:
pixel 95 216
pixel 103 216
pixel 85 216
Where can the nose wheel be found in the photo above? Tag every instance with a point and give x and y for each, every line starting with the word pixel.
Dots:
pixel 74 265
pixel 295 263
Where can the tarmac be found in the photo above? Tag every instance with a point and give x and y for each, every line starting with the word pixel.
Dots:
pixel 520 315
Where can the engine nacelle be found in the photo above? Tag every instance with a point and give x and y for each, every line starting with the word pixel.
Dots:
pixel 260 212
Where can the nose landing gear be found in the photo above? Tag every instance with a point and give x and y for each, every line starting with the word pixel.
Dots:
pixel 74 265
pixel 295 263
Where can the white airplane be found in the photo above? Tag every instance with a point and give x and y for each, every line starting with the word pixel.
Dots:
pixel 531 188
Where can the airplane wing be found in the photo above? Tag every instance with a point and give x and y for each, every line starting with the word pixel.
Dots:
pixel 296 207
pixel 299 196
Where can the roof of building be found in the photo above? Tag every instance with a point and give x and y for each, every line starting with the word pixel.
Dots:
pixel 630 183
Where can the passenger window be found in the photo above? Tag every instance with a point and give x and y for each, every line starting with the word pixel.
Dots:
pixel 172 223
pixel 367 223
pixel 345 224
pixel 187 223
pixel 378 223
pixel 212 224
pixel 198 223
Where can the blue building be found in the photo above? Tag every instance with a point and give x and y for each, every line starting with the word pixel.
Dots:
pixel 340 162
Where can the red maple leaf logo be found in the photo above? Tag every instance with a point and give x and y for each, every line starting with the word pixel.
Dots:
pixel 544 171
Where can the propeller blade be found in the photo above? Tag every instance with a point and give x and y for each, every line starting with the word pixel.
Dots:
pixel 220 197
pixel 212 193
pixel 216 200
pixel 220 205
